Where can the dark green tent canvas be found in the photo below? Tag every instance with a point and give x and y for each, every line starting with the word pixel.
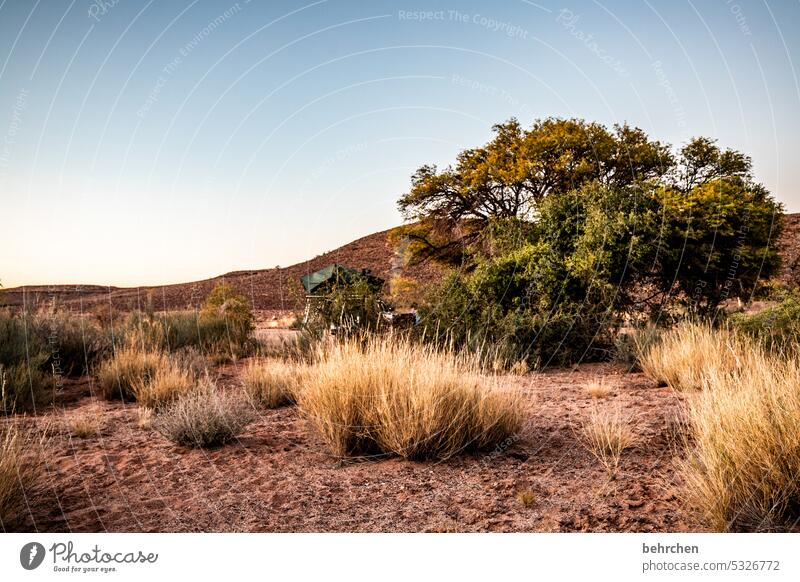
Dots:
pixel 336 274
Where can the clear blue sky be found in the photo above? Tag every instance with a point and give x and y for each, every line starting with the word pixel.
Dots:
pixel 155 142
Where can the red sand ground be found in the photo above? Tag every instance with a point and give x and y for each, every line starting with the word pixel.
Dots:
pixel 279 478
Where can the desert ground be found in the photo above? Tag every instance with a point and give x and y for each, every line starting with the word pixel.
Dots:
pixel 278 477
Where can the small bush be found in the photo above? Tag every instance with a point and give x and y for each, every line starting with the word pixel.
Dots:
pixel 273 383
pixel 20 470
pixel 25 383
pixel 167 383
pixel 204 418
pixel 73 343
pixel 776 328
pixel 607 435
pixel 392 396
pixel 130 366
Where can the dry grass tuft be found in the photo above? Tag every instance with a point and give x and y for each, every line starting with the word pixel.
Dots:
pixel 205 417
pixel 744 456
pixel 607 435
pixel 168 382
pixel 520 368
pixel 598 388
pixel 145 418
pixel 274 383
pixel 130 366
pixel 526 497
pixel 85 426
pixel 20 471
pixel 393 396
pixel 686 355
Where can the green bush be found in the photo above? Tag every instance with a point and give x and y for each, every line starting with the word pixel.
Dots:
pixel 25 383
pixel 776 328
pixel 558 293
pixel 73 343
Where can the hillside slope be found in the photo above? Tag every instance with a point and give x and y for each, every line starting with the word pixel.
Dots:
pixel 279 288
pixel 268 289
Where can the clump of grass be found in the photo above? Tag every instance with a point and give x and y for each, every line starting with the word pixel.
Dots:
pixel 607 435
pixel 393 396
pixel 744 455
pixel 84 426
pixel 20 471
pixel 273 383
pixel 130 366
pixel 204 417
pixel 598 388
pixel 526 497
pixel 167 383
pixel 687 354
pixel 144 418
pixel 520 368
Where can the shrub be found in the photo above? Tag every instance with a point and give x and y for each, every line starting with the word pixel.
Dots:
pixel 274 383
pixel 129 367
pixel 744 452
pixel 24 381
pixel 20 470
pixel 392 396
pixel 209 331
pixel 607 435
pixel 776 328
pixel 167 383
pixel 226 309
pixel 73 343
pixel 204 418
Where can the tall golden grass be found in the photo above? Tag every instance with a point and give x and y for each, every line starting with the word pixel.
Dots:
pixel 168 382
pixel 274 383
pixel 686 355
pixel 606 435
pixel 392 396
pixel 20 470
pixel 129 367
pixel 743 465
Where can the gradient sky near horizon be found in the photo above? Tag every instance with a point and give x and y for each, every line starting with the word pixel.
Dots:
pixel 158 142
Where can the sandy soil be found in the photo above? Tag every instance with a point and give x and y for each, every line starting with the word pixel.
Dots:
pixel 278 476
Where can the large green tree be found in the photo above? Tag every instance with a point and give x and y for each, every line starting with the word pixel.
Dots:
pixel 567 241
pixel 511 175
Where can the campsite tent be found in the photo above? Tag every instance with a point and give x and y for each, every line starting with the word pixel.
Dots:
pixel 333 275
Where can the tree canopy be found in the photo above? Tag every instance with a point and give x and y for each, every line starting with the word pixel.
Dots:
pixel 564 231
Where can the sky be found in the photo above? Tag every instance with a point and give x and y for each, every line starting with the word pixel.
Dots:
pixel 147 142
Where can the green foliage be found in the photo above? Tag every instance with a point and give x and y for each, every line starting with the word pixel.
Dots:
pixel 719 240
pixel 563 232
pixel 24 381
pixel 558 292
pixel 73 343
pixel 227 309
pixel 776 328
pixel 347 308
pixel 509 177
